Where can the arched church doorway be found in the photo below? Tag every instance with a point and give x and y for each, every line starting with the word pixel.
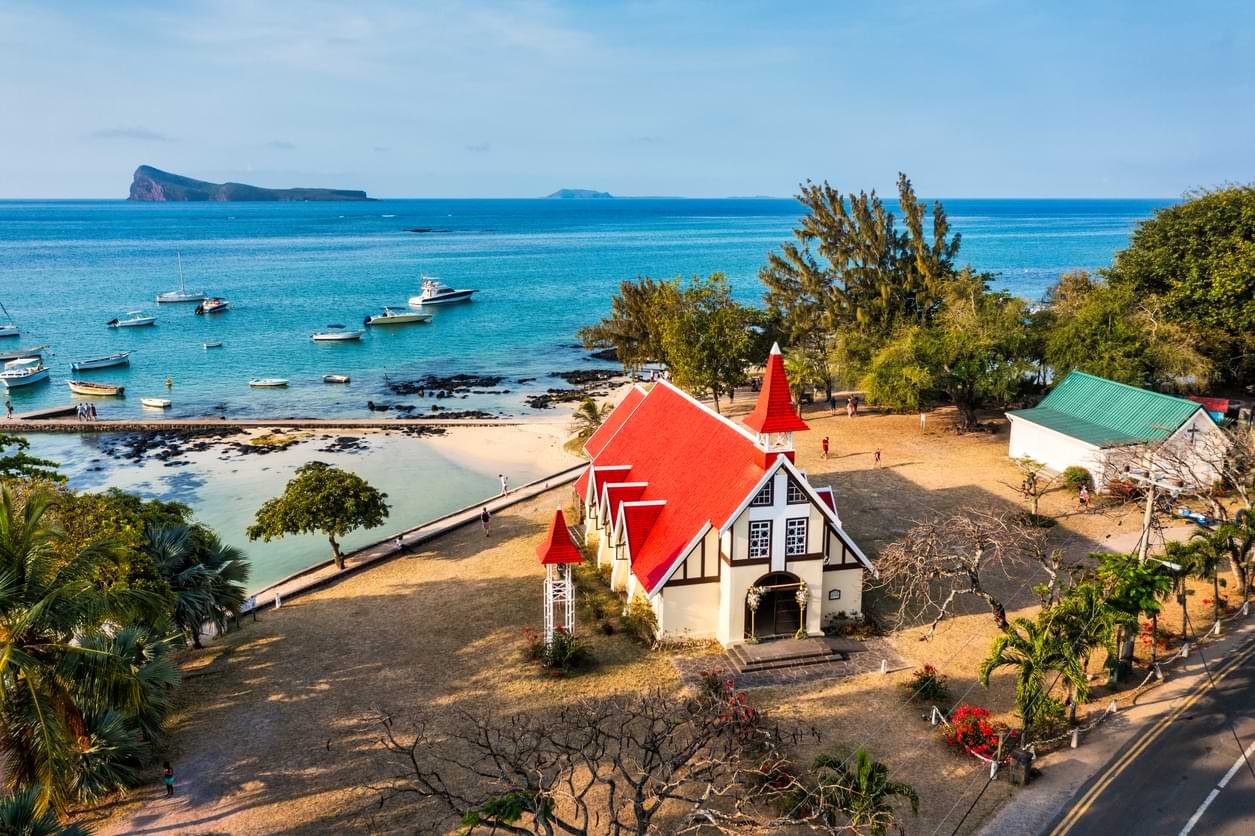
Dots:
pixel 778 615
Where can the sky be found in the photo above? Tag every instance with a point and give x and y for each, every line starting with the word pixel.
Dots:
pixel 506 99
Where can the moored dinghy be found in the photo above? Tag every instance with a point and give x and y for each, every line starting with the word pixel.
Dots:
pixel 95 390
pixel 335 378
pixel 23 372
pixel 336 336
pixel 121 358
pixel 155 403
pixel 134 319
pixel 268 382
pixel 213 344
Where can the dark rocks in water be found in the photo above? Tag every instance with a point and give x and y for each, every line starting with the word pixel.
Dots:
pixel 605 354
pixel 425 229
pixel 582 377
pixel 345 444
pixel 378 407
pixel 467 415
pixel 552 397
pixel 420 430
pixel 523 380
pixel 456 383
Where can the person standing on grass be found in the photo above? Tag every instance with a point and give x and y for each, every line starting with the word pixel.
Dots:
pixel 485 519
pixel 876 457
pixel 167 778
pixel 824 448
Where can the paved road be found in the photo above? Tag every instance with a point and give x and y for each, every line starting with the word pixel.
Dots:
pixel 1184 774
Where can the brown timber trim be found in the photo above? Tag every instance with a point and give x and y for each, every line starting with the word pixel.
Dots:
pixel 690 581
pixel 752 561
pixel 800 557
pixel 839 566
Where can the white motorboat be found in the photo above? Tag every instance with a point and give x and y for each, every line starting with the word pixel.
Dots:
pixel 95 390
pixel 213 344
pixel 134 319
pixel 23 372
pixel 436 292
pixel 212 305
pixel 336 336
pixel 395 317
pixel 268 382
pixel 182 294
pixel 335 378
pixel 155 403
pixel 21 353
pixel 122 358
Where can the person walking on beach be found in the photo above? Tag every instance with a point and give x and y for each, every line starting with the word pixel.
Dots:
pixel 485 519
pixel 823 446
pixel 167 778
pixel 505 483
pixel 876 457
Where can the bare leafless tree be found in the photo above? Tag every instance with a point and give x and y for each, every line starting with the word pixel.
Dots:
pixel 940 559
pixel 613 766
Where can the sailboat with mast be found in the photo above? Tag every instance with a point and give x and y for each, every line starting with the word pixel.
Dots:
pixel 182 294
pixel 8 328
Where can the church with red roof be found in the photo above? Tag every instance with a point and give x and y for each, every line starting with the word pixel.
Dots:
pixel 710 520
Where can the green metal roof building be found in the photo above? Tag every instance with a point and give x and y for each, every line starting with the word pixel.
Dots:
pixel 1085 415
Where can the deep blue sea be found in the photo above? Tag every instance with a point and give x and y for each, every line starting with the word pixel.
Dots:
pixel 544 268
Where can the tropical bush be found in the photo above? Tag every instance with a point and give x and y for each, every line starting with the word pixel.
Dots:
pixel 927 684
pixel 565 654
pixel 857 790
pixel 639 620
pixel 1074 477
pixel 971 730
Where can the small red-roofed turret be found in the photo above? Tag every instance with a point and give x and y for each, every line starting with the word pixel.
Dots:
pixel 557 547
pixel 773 417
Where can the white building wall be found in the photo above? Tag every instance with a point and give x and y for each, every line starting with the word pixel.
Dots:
pixel 1053 449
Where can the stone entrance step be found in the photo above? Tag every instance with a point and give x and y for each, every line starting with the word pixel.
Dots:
pixel 789 653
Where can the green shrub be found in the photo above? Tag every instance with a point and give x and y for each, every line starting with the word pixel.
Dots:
pixel 1075 476
pixel 640 621
pixel 928 684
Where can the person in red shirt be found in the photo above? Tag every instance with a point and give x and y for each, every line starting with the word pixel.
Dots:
pixel 824 446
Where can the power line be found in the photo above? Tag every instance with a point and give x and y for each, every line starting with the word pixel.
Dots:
pixel 1212 681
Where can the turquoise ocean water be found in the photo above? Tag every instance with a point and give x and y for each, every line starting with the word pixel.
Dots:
pixel 543 267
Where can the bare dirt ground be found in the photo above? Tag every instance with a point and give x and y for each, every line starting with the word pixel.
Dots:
pixel 273 735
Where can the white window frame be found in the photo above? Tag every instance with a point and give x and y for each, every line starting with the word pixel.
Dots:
pixel 766 497
pixel 760 530
pixel 793 547
pixel 793 494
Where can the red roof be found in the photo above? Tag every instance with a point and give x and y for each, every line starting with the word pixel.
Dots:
pixel 702 464
pixel 1220 405
pixel 557 547
pixel 774 411
pixel 616 492
pixel 598 440
pixel 825 493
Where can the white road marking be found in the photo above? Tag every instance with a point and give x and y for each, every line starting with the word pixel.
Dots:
pixel 1211 796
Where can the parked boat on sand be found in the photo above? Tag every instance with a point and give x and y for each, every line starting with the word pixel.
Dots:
pixel 121 358
pixel 95 390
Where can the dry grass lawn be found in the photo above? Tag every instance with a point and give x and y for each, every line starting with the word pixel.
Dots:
pixel 273 734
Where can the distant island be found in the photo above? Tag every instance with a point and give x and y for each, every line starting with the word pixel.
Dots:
pixel 153 184
pixel 579 194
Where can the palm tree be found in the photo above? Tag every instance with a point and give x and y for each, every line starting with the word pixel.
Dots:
pixel 859 789
pixel 20 815
pixel 1034 649
pixel 1084 621
pixel 52 673
pixel 588 417
pixel 206 576
pixel 805 370
pixel 1211 550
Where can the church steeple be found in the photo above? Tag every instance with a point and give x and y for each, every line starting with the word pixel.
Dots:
pixel 773 418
